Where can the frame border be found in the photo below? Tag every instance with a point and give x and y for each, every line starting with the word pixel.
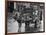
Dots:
pixel 6 14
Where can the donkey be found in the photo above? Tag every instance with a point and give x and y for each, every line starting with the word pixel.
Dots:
pixel 18 18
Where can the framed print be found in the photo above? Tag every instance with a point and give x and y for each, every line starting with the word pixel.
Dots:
pixel 25 17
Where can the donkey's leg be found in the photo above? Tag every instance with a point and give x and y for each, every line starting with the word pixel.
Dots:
pixel 19 24
pixel 26 24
